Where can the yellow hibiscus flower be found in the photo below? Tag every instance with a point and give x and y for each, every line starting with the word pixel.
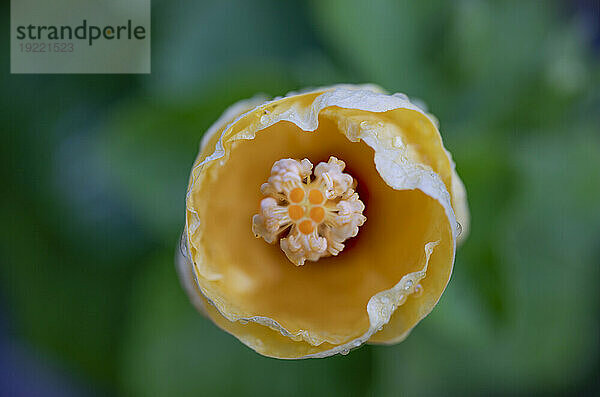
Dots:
pixel 320 221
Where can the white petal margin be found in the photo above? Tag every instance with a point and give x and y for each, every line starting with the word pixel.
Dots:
pixel 460 204
pixel 231 113
pixel 395 166
pixel 382 305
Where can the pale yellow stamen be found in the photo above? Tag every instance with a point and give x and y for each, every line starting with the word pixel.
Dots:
pixel 319 214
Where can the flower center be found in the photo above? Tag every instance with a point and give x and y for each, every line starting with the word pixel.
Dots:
pixel 318 212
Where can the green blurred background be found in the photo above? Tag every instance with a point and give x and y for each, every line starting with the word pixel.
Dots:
pixel 94 171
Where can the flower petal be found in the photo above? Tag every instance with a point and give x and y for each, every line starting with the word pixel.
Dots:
pixel 407 154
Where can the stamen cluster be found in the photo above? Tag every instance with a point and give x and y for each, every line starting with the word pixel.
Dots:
pixel 318 213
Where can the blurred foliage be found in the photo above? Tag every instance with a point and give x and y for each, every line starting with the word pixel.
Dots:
pixel 94 170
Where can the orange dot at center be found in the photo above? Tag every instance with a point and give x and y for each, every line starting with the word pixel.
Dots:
pixel 317 214
pixel 306 227
pixel 315 197
pixel 296 195
pixel 295 212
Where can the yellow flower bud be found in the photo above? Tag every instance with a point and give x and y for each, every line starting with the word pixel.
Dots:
pixel 320 221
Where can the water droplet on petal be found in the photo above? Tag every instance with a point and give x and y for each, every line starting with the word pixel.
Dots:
pixel 402 299
pixel 418 290
pixel 397 142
